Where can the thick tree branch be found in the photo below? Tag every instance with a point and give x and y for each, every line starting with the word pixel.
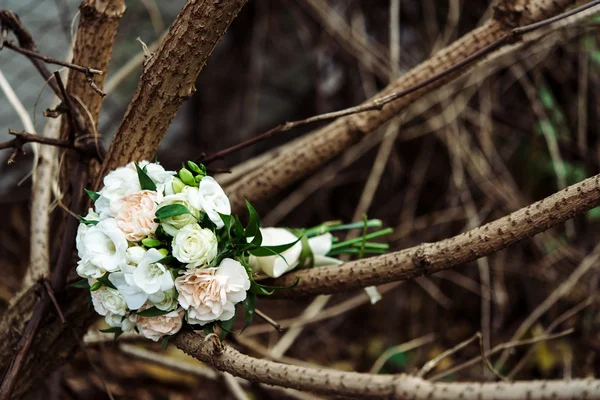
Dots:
pixel 168 79
pixel 319 147
pixel 354 384
pixel 429 258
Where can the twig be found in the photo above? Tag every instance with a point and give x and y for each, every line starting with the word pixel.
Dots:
pixel 50 60
pixel 53 298
pixel 562 290
pixel 268 320
pixel 563 317
pixel 24 137
pixel 499 348
pixel 68 106
pixel 431 364
pixel 379 103
pixel 401 348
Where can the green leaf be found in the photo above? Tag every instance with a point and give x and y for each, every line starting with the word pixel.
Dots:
pixel 96 286
pixel 152 312
pixel 145 182
pixel 226 326
pixel 257 288
pixel 265 251
pixel 253 221
pixel 116 330
pixel 82 284
pixel 249 306
pixel 93 195
pixel 88 221
pixel 172 210
pixel 257 240
pixel 165 341
pixel 106 282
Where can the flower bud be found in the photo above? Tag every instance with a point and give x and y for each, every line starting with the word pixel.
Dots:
pixel 150 242
pixel 187 177
pixel 164 252
pixel 198 178
pixel 194 167
pixel 178 185
pixel 95 286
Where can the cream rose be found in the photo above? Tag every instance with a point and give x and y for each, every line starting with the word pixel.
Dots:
pixel 210 294
pixel 195 246
pixel 275 266
pixel 107 300
pixel 172 225
pixel 137 213
pixel 156 327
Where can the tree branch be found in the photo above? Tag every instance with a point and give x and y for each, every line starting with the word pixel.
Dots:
pixel 429 258
pixel 319 147
pixel 354 384
pixel 168 79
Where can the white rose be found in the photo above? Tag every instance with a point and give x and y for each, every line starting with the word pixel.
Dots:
pixel 150 275
pixel 211 199
pixel 210 294
pixel 275 266
pixel 101 248
pixel 119 321
pixel 117 184
pixel 164 301
pixel 108 300
pixel 195 246
pixel 172 225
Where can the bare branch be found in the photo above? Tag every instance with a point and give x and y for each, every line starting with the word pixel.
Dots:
pixel 429 258
pixel 168 79
pixel 317 148
pixel 354 384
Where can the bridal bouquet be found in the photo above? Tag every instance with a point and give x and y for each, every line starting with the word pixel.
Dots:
pixel 160 250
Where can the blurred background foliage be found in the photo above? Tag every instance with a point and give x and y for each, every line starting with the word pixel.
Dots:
pixel 474 155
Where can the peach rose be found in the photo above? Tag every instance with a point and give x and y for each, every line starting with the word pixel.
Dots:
pixel 136 215
pixel 156 327
pixel 210 294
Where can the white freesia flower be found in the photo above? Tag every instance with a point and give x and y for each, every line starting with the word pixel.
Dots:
pixel 161 177
pixel 211 199
pixel 172 225
pixel 210 294
pixel 164 301
pixel 275 266
pixel 150 275
pixel 108 300
pixel 156 327
pixel 101 248
pixel 119 321
pixel 135 254
pixel 134 296
pixel 195 246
